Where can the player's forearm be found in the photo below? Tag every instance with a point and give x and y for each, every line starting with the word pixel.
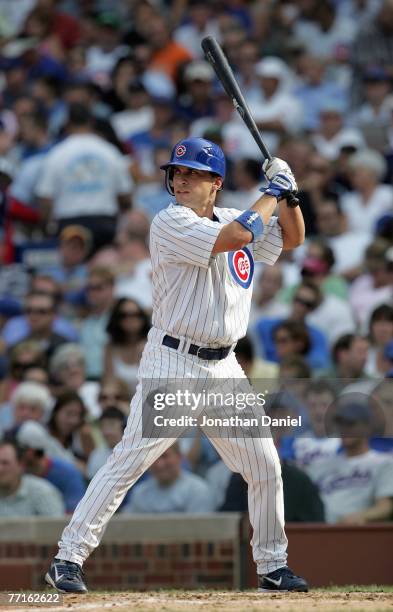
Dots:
pixel 234 236
pixel 292 226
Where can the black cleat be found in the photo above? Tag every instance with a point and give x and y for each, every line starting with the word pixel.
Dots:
pixel 280 581
pixel 66 577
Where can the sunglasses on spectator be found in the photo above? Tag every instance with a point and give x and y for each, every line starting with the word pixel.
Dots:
pixel 107 397
pixel 129 315
pixel 305 303
pixel 24 366
pixel 283 339
pixel 39 311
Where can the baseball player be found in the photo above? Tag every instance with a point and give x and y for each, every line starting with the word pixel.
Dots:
pixel 203 264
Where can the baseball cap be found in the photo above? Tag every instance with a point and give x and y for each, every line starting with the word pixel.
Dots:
pixel 353 412
pixel 375 74
pixel 76 231
pixel 9 307
pixel 272 67
pixel 34 435
pixel 199 70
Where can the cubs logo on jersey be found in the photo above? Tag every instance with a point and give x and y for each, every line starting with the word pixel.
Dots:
pixel 241 266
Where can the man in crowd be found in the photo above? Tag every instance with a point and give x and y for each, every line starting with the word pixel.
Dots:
pixel 21 494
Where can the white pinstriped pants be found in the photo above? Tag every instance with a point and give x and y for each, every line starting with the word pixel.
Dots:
pixel 255 459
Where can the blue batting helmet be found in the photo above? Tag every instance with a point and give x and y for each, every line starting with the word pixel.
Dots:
pixel 196 153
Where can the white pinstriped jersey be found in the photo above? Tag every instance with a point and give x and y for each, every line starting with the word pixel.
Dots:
pixel 203 297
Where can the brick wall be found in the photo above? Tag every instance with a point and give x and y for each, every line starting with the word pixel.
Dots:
pixel 170 551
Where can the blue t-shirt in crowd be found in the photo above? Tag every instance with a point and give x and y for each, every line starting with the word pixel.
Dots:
pixel 68 479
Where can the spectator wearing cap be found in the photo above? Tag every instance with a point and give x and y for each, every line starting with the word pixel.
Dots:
pixel 375 285
pixel 356 485
pixel 332 134
pixel 380 334
pixel 170 488
pixel 29 402
pixel 197 101
pixel 274 341
pixel 38 455
pixel 279 112
pixel 167 54
pixel 24 495
pixel 99 295
pixel 370 198
pixel 200 23
pixel 112 423
pixel 85 180
pixel 348 246
pixel 71 272
pixel 18 328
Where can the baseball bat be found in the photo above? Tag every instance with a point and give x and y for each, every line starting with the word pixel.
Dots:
pixel 216 58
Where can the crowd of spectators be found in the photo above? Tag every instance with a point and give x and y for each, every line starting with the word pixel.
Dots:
pixel 93 96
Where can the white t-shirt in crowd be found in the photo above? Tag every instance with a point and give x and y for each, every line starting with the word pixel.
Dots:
pixel 348 249
pixel 352 484
pixel 361 217
pixel 83 175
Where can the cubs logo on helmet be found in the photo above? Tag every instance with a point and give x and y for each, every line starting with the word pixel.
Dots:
pixel 180 151
pixel 241 266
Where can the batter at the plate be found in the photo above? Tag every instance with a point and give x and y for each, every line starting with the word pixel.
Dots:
pixel 203 265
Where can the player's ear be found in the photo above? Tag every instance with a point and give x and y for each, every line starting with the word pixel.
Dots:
pixel 218 183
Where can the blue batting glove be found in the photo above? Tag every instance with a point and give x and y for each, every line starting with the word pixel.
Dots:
pixel 282 184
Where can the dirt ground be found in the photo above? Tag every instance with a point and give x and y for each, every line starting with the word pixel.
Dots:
pixel 215 601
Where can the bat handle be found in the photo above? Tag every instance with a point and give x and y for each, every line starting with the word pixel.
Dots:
pixel 292 200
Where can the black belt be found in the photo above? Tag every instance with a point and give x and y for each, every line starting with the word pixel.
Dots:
pixel 199 351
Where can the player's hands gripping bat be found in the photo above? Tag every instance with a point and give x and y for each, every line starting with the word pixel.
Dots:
pixel 215 56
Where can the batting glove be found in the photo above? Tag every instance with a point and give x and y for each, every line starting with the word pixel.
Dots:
pixel 274 166
pixel 281 185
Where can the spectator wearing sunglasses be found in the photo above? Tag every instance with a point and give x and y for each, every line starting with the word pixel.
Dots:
pixel 127 329
pixel 114 392
pixel 40 311
pixel 280 338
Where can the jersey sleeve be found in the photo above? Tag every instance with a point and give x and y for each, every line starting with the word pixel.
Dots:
pixel 183 237
pixel 268 247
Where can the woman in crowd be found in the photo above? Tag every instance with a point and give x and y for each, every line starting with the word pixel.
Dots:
pixel 127 329
pixel 68 425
